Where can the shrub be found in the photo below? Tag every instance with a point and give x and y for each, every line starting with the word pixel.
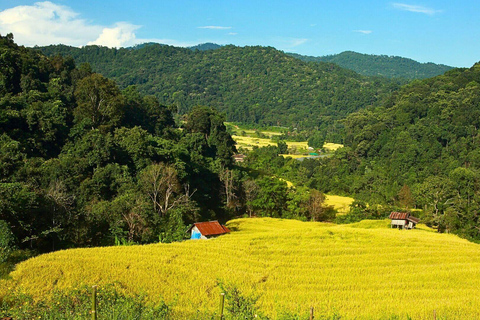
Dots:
pixel 6 241
pixel 76 304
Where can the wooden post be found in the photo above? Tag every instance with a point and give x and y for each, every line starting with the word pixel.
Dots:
pixel 311 313
pixel 434 314
pixel 222 303
pixel 94 303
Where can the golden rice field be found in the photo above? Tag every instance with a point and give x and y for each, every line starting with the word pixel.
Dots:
pixel 358 271
pixel 332 146
pixel 339 203
pixel 250 142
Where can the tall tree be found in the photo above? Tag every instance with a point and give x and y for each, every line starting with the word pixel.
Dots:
pixel 99 101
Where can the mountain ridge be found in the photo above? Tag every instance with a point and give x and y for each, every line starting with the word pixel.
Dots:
pixel 390 66
pixel 380 65
pixel 256 85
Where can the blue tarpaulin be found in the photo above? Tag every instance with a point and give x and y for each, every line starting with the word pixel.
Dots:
pixel 196 235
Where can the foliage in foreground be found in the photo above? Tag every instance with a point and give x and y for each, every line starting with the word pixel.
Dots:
pixel 76 304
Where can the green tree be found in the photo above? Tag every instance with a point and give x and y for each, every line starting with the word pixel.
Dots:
pixel 100 103
pixel 7 241
pixel 435 194
pixel 317 209
pixel 272 197
pixel 282 147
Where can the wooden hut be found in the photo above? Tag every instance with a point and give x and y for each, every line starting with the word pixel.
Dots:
pixel 403 220
pixel 206 230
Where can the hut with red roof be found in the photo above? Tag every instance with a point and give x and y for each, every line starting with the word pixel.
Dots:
pixel 206 230
pixel 403 220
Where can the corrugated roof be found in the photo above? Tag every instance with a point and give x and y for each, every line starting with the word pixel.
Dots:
pixel 399 215
pixel 211 228
pixel 403 216
pixel 413 219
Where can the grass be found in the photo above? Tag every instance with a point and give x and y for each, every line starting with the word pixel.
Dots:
pixel 359 271
pixel 341 204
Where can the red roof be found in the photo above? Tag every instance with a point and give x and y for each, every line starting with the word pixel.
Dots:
pixel 403 216
pixel 399 215
pixel 211 228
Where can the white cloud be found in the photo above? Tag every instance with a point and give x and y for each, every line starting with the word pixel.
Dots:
pixel 215 27
pixel 123 34
pixel 232 33
pixel 363 31
pixel 45 23
pixel 415 8
pixel 297 42
pixel 288 43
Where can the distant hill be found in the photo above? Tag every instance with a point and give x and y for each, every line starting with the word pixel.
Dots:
pixel 380 65
pixel 256 85
pixel 206 46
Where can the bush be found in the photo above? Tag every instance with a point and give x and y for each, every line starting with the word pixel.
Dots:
pixel 7 242
pixel 76 304
pixel 238 305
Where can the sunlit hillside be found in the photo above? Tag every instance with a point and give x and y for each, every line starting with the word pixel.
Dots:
pixel 358 271
pixel 341 204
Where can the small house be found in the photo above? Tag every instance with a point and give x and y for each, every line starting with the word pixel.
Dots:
pixel 403 220
pixel 206 230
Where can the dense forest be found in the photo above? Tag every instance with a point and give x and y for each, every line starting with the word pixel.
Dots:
pixel 254 85
pixel 83 163
pixel 381 65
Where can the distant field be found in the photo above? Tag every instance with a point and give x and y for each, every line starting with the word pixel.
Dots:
pixel 332 146
pixel 252 132
pixel 250 142
pixel 341 204
pixel 358 271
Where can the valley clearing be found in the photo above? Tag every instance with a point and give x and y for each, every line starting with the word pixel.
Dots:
pixel 359 271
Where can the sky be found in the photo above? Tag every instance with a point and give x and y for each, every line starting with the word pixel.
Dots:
pixel 440 31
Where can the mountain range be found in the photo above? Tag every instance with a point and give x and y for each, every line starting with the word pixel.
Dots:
pixel 256 85
pixel 381 65
pixel 364 64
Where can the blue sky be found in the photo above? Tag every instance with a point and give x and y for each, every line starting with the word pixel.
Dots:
pixel 438 31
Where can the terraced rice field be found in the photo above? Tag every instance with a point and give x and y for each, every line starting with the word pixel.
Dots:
pixel 358 271
pixel 250 142
pixel 341 204
pixel 332 146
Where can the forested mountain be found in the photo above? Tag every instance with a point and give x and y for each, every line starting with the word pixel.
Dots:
pixel 380 65
pixel 83 163
pixel 257 85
